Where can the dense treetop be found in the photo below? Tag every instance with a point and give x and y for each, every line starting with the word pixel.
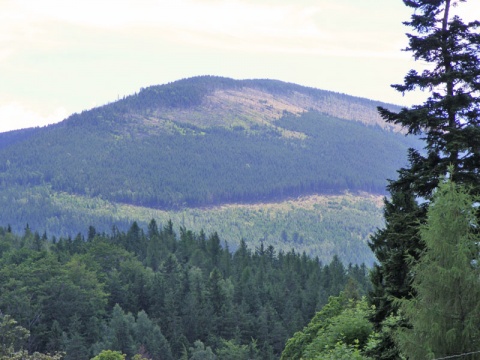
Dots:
pixel 160 294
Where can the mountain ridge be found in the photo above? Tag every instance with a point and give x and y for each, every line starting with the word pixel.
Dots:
pixel 190 100
pixel 201 107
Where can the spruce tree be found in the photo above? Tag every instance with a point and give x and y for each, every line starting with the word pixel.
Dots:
pixel 448 123
pixel 448 120
pixel 391 277
pixel 445 313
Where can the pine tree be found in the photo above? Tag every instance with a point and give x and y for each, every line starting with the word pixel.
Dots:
pixel 149 337
pixel 74 343
pixel 121 331
pixel 444 314
pixel 391 278
pixel 448 122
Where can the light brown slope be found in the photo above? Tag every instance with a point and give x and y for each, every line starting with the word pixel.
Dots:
pixel 248 106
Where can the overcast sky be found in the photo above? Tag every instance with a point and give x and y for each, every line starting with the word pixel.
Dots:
pixel 58 57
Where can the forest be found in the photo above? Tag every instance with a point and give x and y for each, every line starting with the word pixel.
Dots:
pixel 207 166
pixel 321 226
pixel 152 294
pixel 425 284
pixel 160 294
pixel 198 169
pixel 116 164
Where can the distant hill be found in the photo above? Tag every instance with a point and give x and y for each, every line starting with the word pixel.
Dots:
pixel 200 142
pixel 11 137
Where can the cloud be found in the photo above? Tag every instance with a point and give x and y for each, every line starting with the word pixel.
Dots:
pixel 344 28
pixel 57 53
pixel 297 27
pixel 17 116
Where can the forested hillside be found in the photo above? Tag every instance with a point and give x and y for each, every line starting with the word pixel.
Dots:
pixel 319 225
pixel 197 143
pixel 194 167
pixel 160 294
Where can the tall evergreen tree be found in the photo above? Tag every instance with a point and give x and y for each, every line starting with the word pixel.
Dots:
pixel 444 314
pixel 149 337
pixel 391 278
pixel 120 335
pixel 75 346
pixel 448 121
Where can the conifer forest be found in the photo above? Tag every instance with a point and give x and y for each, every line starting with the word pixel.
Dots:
pixel 82 278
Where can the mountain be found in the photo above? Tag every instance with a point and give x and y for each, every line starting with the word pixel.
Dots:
pixel 197 143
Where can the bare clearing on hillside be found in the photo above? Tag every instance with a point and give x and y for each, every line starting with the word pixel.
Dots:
pixel 249 107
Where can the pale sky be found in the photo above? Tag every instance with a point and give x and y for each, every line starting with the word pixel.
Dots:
pixel 58 57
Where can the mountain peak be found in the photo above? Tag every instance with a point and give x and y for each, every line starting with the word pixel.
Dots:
pixel 212 101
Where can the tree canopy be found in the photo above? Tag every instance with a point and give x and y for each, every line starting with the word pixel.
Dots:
pixel 159 294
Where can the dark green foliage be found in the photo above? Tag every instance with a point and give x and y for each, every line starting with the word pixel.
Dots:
pixel 74 344
pixel 83 296
pixel 174 170
pixel 121 327
pixel 9 138
pixel 229 350
pixel 345 149
pixel 448 122
pixel 168 148
pixel 392 276
pixel 200 352
pixel 149 337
